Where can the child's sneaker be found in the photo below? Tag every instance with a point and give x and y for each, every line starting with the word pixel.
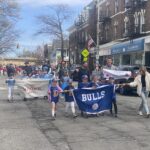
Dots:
pixel 53 118
pixel 116 115
pixel 75 116
pixel 66 115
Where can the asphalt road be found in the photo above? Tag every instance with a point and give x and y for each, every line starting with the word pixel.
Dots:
pixel 28 126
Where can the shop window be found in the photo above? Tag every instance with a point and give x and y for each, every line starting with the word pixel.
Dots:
pixel 147 59
pixel 137 59
pixel 126 59
pixel 116 60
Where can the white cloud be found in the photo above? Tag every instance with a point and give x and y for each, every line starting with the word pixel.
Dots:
pixel 50 2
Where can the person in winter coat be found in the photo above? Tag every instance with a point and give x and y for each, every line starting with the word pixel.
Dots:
pixel 84 71
pixel 142 82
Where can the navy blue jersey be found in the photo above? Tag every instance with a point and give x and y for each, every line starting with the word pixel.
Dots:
pixel 83 85
pixel 54 92
pixel 68 95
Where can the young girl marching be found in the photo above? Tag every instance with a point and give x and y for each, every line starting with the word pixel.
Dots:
pixel 69 99
pixel 54 91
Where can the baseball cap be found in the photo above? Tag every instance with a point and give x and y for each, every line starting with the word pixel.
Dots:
pixel 55 80
pixel 84 77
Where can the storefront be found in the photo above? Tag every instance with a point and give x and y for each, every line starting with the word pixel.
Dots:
pixel 129 53
pixel 105 52
pixel 147 51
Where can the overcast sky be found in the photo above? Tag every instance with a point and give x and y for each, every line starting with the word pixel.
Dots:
pixel 28 23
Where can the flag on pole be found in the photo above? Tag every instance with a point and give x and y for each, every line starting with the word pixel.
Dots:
pixel 91 43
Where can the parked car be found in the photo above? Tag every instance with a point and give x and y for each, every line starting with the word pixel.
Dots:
pixel 125 90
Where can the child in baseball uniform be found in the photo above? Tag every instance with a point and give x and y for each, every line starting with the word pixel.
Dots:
pixel 54 90
pixel 10 84
pixel 69 99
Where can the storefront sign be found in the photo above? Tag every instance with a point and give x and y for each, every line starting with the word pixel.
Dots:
pixel 130 46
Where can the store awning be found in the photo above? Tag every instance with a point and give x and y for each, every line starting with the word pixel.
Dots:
pixel 129 46
pixel 105 49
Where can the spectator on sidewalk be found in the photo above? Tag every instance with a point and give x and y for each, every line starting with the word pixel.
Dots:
pixel 10 70
pixel 28 68
pixel 46 67
pixel 75 74
pixel 109 64
pixel 97 72
pixel 84 71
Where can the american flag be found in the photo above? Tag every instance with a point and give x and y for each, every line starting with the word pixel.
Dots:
pixel 90 42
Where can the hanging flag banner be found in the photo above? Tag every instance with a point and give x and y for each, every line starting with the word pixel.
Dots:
pixel 116 74
pixel 94 101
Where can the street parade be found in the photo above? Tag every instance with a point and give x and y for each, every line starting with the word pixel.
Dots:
pixel 74 75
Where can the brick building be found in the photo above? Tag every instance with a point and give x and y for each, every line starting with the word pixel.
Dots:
pixel 84 25
pixel 123 27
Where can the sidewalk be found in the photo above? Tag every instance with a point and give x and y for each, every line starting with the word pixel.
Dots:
pixel 18 131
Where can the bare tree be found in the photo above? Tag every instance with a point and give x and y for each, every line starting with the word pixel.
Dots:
pixel 52 24
pixel 38 53
pixel 8 17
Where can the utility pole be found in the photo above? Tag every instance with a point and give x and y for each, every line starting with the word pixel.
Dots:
pixel 97 43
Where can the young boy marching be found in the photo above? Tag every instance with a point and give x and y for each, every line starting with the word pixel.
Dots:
pixel 95 82
pixel 10 83
pixel 84 83
pixel 114 101
pixel 54 91
pixel 69 99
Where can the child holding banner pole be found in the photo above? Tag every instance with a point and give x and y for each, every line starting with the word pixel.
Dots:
pixel 114 102
pixel 82 85
pixel 54 90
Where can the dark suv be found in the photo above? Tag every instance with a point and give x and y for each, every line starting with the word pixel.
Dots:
pixel 126 89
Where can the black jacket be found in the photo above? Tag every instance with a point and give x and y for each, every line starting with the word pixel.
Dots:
pixel 82 72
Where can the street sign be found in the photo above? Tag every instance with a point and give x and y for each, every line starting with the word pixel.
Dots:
pixel 85 53
pixel 85 59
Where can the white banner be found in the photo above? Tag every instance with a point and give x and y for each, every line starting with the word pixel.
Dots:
pixel 116 74
pixel 31 88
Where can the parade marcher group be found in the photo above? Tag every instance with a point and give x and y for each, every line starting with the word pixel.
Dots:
pixel 61 83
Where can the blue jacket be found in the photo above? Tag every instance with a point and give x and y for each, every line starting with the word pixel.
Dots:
pixel 10 82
